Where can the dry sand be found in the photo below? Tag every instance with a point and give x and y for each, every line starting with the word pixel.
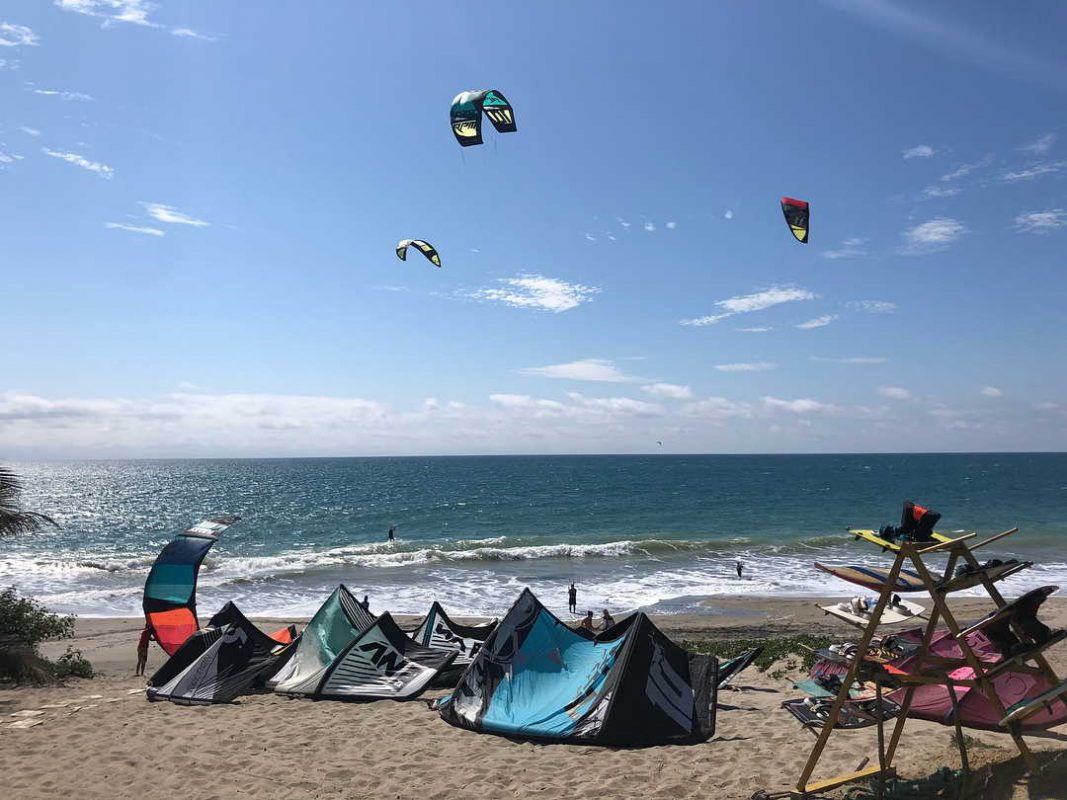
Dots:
pixel 99 738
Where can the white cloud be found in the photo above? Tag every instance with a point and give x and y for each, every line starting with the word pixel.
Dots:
pixel 935 234
pixel 623 222
pixel 672 225
pixel 671 391
pixel 799 406
pixel 590 238
pixel 9 63
pixel 851 360
pixel 103 170
pixel 30 131
pixel 991 391
pixel 818 322
pixel 610 237
pixel 539 292
pixel 850 248
pixel 615 405
pixel 134 228
pixel 1035 171
pixel 134 12
pixel 752 366
pixel 6 159
pixel 12 35
pixel 170 215
pixel 189 33
pixel 728 214
pixel 895 393
pixel 62 95
pixel 1040 146
pixel 963 170
pixel 872 306
pixel 586 369
pixel 931 192
pixel 650 227
pixel 1042 221
pixel 919 151
pixel 759 329
pixel 757 301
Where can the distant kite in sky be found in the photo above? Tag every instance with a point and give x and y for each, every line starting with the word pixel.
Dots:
pixel 466 115
pixel 796 215
pixel 423 247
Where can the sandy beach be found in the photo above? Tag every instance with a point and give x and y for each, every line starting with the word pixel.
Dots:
pixel 100 738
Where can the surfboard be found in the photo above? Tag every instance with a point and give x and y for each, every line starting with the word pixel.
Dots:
pixel 875 577
pixel 1031 705
pixel 1007 609
pixel 892 615
pixel 971 579
pixel 886 544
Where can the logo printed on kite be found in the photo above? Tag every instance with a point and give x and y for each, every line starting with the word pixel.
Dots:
pixel 384 657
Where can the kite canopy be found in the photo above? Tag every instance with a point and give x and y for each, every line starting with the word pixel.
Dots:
pixel 423 247
pixel 796 216
pixel 170 591
pixel 439 632
pixel 536 677
pixel 228 658
pixel 337 622
pixel 466 115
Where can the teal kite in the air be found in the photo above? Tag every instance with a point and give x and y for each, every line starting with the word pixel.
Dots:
pixel 423 247
pixel 467 111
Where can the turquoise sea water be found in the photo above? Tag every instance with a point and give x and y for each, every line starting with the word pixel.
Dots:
pixel 631 531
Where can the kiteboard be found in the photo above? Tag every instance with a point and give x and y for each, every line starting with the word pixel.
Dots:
pixel 1031 705
pixel 1006 610
pixel 875 577
pixel 978 576
pixel 891 615
pixel 886 544
pixel 814 711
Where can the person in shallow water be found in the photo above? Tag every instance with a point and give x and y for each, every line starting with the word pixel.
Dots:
pixel 147 635
pixel 740 566
pixel 587 622
pixel 572 600
pixel 392 533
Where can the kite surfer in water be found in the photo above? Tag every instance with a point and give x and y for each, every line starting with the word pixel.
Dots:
pixel 392 533
pixel 740 566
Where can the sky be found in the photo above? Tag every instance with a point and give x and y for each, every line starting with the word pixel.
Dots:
pixel 199 207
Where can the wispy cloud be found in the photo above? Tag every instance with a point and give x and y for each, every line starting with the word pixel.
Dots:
pixel 991 391
pixel 189 33
pixel 589 237
pixel 623 222
pixel 586 369
pixel 650 227
pixel 1040 146
pixel 799 406
pixel 919 151
pixel 538 292
pixel 1042 221
pixel 62 94
pixel 134 12
pixel 872 306
pixel 12 35
pixel 931 192
pixel 30 131
pixel 895 393
pixel 818 322
pixel 671 225
pixel 851 360
pixel 669 391
pixel 850 248
pixel 751 366
pixel 758 329
pixel 7 159
pixel 10 63
pixel 172 216
pixel 1031 172
pixel 728 214
pixel 757 301
pixel 119 226
pixel 103 170
pixel 936 234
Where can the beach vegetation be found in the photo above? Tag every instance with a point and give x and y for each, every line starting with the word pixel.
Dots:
pixel 24 624
pixel 792 652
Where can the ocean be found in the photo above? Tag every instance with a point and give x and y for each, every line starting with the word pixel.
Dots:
pixel 652 532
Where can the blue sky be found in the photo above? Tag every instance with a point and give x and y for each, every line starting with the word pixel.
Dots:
pixel 199 205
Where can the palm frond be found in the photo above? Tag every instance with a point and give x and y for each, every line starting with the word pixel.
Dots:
pixel 13 519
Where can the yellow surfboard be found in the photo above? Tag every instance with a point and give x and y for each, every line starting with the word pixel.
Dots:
pixel 885 544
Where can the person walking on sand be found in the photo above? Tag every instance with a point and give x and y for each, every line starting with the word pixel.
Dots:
pixel 587 622
pixel 606 621
pixel 572 600
pixel 740 566
pixel 392 533
pixel 147 635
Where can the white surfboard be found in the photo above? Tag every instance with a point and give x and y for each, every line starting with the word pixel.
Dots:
pixel 903 612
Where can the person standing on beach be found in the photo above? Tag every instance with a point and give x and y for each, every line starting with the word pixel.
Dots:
pixel 392 533
pixel 740 566
pixel 572 600
pixel 147 635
